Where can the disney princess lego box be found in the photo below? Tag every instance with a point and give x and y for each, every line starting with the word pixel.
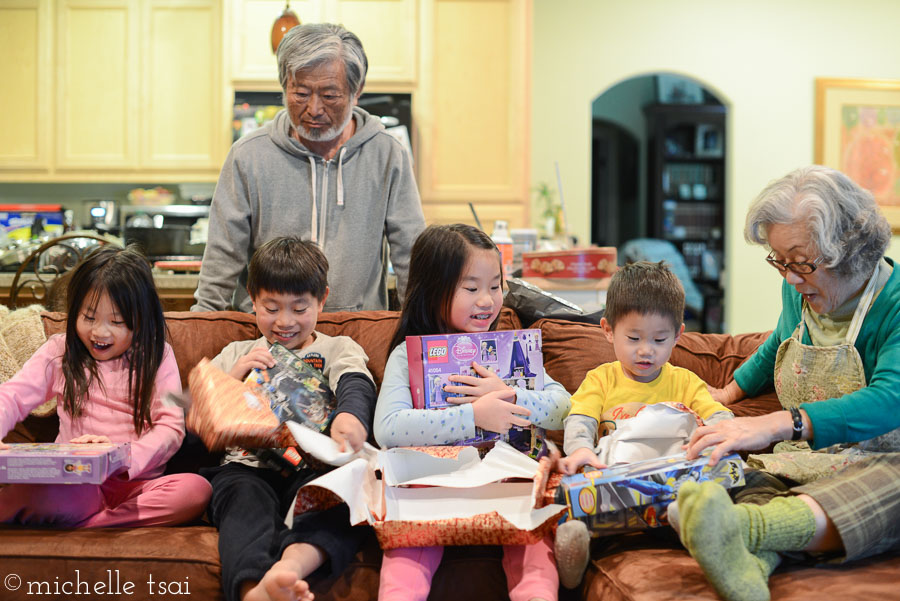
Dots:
pixel 634 496
pixel 514 355
pixel 63 463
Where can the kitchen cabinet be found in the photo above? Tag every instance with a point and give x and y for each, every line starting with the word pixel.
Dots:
pixel 686 193
pixel 473 111
pixel 387 28
pixel 137 91
pixel 466 67
pixel 25 71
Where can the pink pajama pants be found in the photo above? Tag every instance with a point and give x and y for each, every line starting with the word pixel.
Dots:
pixel 163 501
pixel 530 572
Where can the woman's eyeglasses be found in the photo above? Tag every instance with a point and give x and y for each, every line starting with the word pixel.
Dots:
pixel 803 267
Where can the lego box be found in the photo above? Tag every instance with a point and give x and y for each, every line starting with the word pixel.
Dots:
pixel 633 496
pixel 63 463
pixel 514 355
pixel 296 391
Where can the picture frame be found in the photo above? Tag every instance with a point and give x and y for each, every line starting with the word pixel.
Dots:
pixel 708 141
pixel 857 124
pixel 672 89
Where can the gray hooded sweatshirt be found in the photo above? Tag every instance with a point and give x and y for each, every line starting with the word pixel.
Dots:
pixel 354 206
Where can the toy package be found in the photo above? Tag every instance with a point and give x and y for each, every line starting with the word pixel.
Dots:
pixel 296 391
pixel 63 463
pixel 514 355
pixel 633 496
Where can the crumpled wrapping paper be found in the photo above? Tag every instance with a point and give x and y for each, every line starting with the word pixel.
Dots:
pixel 227 413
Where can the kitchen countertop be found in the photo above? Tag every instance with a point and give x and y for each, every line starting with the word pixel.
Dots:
pixel 164 281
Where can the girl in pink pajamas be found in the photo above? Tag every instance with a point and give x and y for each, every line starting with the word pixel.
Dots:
pixel 110 373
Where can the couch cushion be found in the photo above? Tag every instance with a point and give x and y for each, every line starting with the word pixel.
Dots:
pixel 185 555
pixel 641 567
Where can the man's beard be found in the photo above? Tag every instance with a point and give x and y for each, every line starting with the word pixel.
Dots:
pixel 326 135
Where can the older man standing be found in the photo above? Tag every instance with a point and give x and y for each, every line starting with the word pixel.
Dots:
pixel 323 169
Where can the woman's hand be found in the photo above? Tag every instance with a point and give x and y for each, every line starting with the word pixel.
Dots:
pixel 497 412
pixel 346 429
pixel 476 387
pixel 258 358
pixel 90 438
pixel 584 456
pixel 728 395
pixel 740 434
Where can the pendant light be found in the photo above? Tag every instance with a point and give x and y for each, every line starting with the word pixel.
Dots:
pixel 287 20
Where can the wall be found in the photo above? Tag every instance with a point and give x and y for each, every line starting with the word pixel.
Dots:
pixel 759 58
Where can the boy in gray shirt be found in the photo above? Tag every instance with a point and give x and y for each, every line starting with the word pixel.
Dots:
pixel 260 556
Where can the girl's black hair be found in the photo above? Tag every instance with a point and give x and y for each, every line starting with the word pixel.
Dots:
pixel 439 256
pixel 123 274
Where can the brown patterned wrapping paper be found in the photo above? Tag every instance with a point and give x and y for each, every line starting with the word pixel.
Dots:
pixel 226 413
pixel 482 529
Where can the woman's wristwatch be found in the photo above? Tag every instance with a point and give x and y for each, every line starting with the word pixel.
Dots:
pixel 798 424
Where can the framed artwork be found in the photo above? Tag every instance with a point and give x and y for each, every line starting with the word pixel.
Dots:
pixel 708 142
pixel 858 132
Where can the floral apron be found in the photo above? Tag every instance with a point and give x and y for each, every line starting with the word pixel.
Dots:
pixel 806 373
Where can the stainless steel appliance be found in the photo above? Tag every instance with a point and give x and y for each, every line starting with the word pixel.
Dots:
pixel 166 233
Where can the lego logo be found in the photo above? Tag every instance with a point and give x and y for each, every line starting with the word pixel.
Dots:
pixel 434 352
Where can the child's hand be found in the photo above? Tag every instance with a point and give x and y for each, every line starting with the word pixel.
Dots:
pixel 89 438
pixel 474 388
pixel 347 429
pixel 496 413
pixel 3 445
pixel 583 456
pixel 258 358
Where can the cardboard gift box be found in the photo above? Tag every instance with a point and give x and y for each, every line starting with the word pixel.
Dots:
pixel 634 496
pixel 436 495
pixel 577 263
pixel 63 463
pixel 514 355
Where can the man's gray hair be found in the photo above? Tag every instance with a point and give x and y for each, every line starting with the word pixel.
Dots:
pixel 842 218
pixel 313 44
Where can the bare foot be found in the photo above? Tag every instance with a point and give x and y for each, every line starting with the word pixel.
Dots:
pixel 280 583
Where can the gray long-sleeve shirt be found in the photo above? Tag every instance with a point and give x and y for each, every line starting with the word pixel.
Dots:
pixel 359 206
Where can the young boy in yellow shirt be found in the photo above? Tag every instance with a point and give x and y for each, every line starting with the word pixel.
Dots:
pixel 643 320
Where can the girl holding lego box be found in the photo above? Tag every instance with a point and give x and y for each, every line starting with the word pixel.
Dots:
pixel 455 286
pixel 111 371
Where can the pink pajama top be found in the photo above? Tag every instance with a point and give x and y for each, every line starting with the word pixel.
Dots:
pixel 107 411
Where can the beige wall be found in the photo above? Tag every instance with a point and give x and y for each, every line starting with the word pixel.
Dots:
pixel 761 58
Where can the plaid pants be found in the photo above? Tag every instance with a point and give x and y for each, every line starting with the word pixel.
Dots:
pixel 862 499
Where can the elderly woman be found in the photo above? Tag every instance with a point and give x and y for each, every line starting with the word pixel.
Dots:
pixel 834 359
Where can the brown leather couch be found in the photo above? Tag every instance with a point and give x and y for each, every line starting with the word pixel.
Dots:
pixel 55 564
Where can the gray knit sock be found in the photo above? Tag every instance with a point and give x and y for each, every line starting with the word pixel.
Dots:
pixel 573 551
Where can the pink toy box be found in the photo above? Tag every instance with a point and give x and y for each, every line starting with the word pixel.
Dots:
pixel 63 463
pixel 514 355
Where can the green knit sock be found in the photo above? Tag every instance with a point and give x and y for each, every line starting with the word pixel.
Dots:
pixel 711 531
pixel 782 524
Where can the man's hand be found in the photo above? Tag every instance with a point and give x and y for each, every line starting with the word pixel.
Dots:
pixel 496 412
pixel 89 438
pixel 258 358
pixel 346 429
pixel 475 387
pixel 584 456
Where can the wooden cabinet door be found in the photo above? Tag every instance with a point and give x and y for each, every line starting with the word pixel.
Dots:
pixel 25 72
pixel 182 104
pixel 96 84
pixel 250 28
pixel 388 30
pixel 473 111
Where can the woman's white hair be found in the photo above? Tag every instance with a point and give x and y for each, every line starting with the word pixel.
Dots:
pixel 313 44
pixel 843 220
